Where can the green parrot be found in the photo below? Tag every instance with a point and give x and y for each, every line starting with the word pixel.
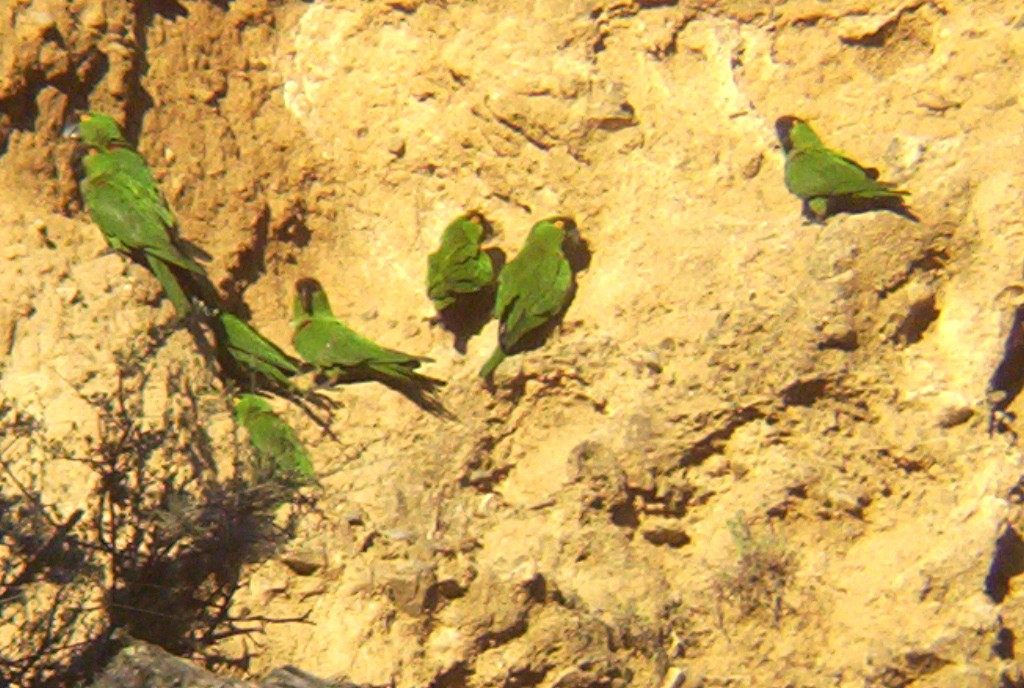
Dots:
pixel 533 288
pixel 342 354
pixel 254 353
pixel 276 445
pixel 816 174
pixel 123 199
pixel 459 267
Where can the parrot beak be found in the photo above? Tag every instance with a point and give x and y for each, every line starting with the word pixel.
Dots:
pixel 71 126
pixel 572 233
pixel 488 227
pixel 477 217
pixel 71 130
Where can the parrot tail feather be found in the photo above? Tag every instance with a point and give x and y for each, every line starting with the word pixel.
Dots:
pixel 419 388
pixel 890 190
pixel 492 363
pixel 884 189
pixel 173 290
pixel 405 374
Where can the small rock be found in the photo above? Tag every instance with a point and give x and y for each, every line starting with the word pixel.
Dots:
pixel 309 587
pixel 355 518
pixel 396 146
pixel 93 16
pixel 399 535
pixel 950 408
pixel 936 102
pixel 413 589
pixel 674 678
pixel 752 167
pixel 451 589
pixel 951 416
pixel 839 334
pixel 32 25
pixel 304 562
pixel 68 293
pixel 651 360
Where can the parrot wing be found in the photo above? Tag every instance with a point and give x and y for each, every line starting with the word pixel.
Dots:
pixel 536 292
pixel 458 266
pixel 256 351
pixel 276 442
pixel 132 165
pixel 132 221
pixel 465 271
pixel 329 343
pixel 818 173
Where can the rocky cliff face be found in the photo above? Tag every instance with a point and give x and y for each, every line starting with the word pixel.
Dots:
pixel 755 454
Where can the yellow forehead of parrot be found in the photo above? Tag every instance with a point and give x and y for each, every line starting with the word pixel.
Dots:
pixel 559 223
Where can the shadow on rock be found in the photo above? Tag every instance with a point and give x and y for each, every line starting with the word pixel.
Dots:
pixel 578 253
pixel 1007 381
pixel 470 312
pixel 421 389
pixel 857 206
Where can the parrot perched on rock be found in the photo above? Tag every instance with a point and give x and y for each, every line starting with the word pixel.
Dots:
pixel 345 356
pixel 817 174
pixel 533 288
pixel 459 266
pixel 123 199
pixel 253 353
pixel 277 447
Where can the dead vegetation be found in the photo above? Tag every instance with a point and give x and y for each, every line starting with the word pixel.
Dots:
pixel 157 550
pixel 757 581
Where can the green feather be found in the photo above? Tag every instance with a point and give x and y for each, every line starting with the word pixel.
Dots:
pixel 340 352
pixel 459 266
pixel 815 173
pixel 532 289
pixel 497 356
pixel 172 288
pixel 254 352
pixel 124 201
pixel 277 447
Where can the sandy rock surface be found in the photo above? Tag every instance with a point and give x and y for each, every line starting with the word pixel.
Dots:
pixel 729 382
